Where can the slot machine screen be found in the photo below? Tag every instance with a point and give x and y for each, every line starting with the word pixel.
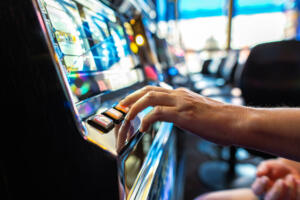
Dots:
pixel 91 45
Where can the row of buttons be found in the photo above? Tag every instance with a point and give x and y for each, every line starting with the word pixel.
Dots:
pixel 105 121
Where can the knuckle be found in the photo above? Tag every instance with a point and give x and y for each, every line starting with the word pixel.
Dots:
pixel 158 111
pixel 151 95
pixel 148 88
pixel 187 105
pixel 174 97
pixel 181 89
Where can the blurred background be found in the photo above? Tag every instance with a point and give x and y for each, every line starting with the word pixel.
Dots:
pixel 77 59
pixel 209 44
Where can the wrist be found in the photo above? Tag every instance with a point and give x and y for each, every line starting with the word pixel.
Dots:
pixel 235 123
pixel 255 129
pixel 242 125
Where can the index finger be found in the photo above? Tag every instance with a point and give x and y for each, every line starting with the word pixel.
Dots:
pixel 150 99
pixel 132 98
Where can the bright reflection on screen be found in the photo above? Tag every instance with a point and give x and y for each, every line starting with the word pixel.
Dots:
pixel 91 44
pixel 70 36
pixel 88 40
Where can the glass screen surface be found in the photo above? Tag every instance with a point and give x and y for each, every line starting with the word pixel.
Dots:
pixel 73 47
pixel 91 44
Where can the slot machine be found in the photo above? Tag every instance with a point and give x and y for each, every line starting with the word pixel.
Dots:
pixel 69 66
pixel 142 31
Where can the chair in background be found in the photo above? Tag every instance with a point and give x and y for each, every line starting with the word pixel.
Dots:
pixel 227 166
pixel 217 73
pixel 228 73
pixel 205 66
pixel 270 78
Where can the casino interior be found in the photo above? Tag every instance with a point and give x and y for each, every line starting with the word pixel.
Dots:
pixel 68 64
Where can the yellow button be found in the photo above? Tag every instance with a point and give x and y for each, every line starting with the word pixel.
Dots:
pixel 121 108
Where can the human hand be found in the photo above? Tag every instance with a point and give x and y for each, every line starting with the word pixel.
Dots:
pixel 203 116
pixel 277 180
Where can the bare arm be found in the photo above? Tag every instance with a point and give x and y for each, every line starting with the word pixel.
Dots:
pixel 276 131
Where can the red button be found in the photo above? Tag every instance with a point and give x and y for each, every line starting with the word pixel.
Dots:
pixel 101 122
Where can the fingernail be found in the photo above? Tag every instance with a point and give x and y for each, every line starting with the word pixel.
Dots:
pixel 289 185
pixel 290 178
pixel 256 188
pixel 264 179
pixel 126 119
pixel 142 128
pixel 261 170
pixel 123 125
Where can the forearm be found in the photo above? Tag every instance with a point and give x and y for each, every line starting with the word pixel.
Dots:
pixel 276 131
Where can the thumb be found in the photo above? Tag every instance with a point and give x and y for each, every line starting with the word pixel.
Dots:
pixel 260 185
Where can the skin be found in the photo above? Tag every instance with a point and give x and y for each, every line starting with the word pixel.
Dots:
pixel 276 131
pixel 235 194
pixel 278 179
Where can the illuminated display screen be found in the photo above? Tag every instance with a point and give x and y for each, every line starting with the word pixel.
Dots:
pixel 73 47
pixel 91 44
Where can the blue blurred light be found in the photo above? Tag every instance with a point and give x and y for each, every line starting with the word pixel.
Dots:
pixel 248 7
pixel 190 9
pixel 298 29
pixel 160 77
pixel 172 71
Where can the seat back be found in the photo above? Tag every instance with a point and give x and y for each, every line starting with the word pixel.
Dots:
pixel 220 67
pixel 228 70
pixel 205 65
pixel 271 75
pixel 214 66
